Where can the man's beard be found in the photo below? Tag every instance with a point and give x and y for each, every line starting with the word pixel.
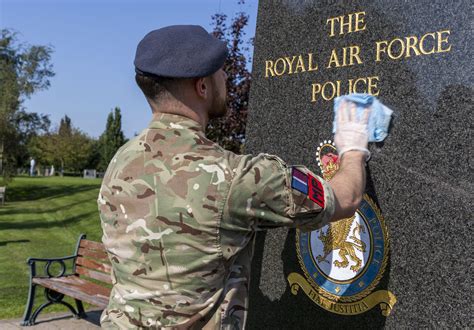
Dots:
pixel 218 107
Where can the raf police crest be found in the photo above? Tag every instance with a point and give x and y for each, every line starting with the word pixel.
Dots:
pixel 344 261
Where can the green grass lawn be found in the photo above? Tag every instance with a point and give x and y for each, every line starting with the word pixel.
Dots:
pixel 42 217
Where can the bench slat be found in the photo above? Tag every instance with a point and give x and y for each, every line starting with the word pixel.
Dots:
pixel 100 255
pixel 94 265
pixel 77 288
pixel 93 274
pixel 85 243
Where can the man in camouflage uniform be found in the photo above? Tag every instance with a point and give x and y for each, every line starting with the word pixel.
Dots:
pixel 179 213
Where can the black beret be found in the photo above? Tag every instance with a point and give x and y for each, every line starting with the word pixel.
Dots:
pixel 180 51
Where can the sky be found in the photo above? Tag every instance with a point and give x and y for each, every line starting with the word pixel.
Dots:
pixel 94 44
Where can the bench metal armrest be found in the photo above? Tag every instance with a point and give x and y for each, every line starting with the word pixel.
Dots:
pixel 48 262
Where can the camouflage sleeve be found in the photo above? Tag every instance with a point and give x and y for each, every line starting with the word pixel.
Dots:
pixel 266 193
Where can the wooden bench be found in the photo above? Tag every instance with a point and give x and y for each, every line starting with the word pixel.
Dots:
pixel 70 276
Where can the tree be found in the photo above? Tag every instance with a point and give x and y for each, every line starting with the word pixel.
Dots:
pixel 43 149
pixel 65 126
pixel 67 147
pixel 230 131
pixel 63 142
pixel 27 126
pixel 112 138
pixel 24 70
pixel 94 159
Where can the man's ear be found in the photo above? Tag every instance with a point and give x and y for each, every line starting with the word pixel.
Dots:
pixel 202 85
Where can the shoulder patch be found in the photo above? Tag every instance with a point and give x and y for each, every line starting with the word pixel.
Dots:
pixel 299 180
pixel 308 185
pixel 316 190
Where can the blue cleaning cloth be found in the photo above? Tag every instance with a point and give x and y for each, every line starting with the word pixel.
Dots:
pixel 379 117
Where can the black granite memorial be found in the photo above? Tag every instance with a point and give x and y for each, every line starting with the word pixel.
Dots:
pixel 415 267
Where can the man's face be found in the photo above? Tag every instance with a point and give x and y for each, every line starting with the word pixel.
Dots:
pixel 218 106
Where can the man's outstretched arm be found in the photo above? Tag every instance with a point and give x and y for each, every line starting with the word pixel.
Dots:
pixel 266 193
pixel 351 141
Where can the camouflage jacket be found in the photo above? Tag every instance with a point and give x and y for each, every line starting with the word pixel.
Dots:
pixel 179 215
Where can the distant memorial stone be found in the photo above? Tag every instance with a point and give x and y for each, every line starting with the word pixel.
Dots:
pixel 90 174
pixel 405 258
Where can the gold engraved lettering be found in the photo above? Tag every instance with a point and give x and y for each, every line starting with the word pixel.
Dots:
pixel 381 297
pixel 331 89
pixel 379 49
pixel 310 63
pixel 442 40
pixel 344 56
pixel 411 45
pixel 333 60
pixel 359 21
pixel 364 85
pixel 316 89
pixel 283 66
pixel 422 44
pixel 390 49
pixel 354 54
pixel 349 56
pixel 347 23
pixel 398 48
pixel 290 63
pixel 351 83
pixel 372 85
pixel 300 65
pixel 332 21
pixel 269 68
pixel 328 90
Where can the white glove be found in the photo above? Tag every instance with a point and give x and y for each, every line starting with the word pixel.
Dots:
pixel 351 132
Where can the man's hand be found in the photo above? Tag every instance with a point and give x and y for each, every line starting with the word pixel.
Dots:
pixel 351 139
pixel 351 132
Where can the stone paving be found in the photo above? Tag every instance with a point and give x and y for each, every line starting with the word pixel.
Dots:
pixel 57 321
